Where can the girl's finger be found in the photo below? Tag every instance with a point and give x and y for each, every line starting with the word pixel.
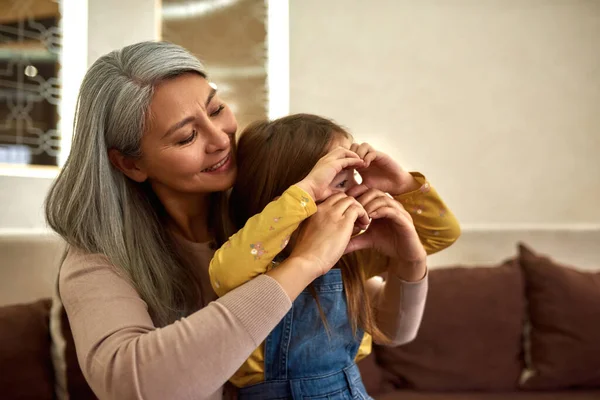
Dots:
pixel 369 158
pixel 363 149
pixel 341 164
pixel 341 152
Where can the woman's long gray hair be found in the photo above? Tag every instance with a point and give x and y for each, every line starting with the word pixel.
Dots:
pixel 96 208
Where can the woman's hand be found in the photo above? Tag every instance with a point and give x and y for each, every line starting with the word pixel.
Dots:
pixel 391 232
pixel 317 182
pixel 382 172
pixel 323 238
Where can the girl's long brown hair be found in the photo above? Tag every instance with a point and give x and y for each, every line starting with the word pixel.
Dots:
pixel 272 156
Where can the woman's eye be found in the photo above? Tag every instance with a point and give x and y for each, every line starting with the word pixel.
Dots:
pixel 189 139
pixel 342 184
pixel 217 111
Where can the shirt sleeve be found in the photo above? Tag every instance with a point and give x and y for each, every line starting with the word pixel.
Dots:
pixel 250 251
pixel 436 225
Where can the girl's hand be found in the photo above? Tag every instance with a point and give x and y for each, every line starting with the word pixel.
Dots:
pixel 317 182
pixel 323 238
pixel 382 172
pixel 391 232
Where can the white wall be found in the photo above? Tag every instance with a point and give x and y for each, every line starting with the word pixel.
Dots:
pixel 21 202
pixel 111 24
pixel 497 101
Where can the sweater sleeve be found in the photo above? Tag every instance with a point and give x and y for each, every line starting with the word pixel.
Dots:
pixel 124 356
pixel 250 251
pixel 398 306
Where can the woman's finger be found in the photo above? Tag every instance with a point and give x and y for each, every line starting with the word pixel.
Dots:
pixel 331 200
pixel 369 195
pixel 389 213
pixel 363 220
pixel 356 213
pixel 403 211
pixel 378 202
pixel 357 191
pixel 340 206
pixel 359 242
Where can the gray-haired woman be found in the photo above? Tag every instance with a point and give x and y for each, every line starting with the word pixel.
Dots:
pixel 139 202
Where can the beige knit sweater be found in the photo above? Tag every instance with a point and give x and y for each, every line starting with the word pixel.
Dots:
pixel 124 356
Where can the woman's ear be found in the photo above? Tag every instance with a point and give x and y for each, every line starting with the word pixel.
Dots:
pixel 127 165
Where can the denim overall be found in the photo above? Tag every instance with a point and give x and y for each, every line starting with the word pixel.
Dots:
pixel 303 361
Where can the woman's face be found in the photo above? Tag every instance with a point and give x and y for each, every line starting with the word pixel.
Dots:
pixel 187 146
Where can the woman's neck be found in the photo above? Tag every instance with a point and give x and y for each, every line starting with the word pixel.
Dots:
pixel 188 214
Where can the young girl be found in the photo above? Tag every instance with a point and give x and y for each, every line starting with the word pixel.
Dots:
pixel 285 168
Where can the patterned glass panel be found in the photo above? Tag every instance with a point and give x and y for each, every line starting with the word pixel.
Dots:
pixel 30 45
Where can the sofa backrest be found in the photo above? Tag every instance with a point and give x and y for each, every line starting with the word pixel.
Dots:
pixel 28 266
pixel 577 246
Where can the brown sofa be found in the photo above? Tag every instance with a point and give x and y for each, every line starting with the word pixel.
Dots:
pixel 526 328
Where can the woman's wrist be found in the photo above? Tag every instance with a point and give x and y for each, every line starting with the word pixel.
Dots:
pixel 294 275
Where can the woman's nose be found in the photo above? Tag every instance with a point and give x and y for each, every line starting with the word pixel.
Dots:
pixel 218 140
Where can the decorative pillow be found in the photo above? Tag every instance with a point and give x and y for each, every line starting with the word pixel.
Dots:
pixel 25 359
pixel 564 310
pixel 70 382
pixel 471 334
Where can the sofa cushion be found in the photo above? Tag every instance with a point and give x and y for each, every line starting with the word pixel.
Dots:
pixel 471 334
pixel 77 385
pixel 371 374
pixel 564 310
pixel 25 359
pixel 28 266
pixel 70 382
pixel 559 395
